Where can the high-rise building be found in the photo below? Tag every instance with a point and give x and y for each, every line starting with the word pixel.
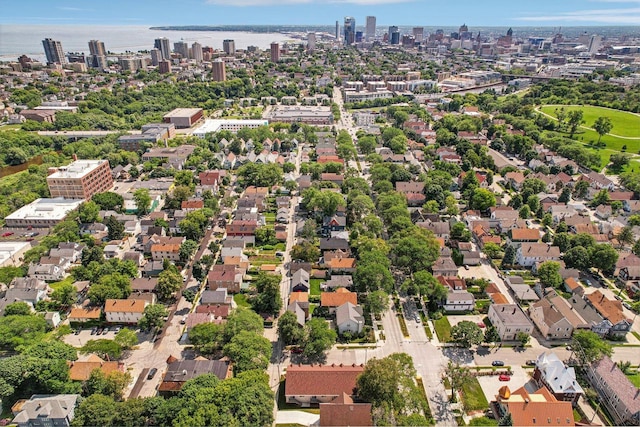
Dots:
pixel 219 70
pixel 337 30
pixel 394 35
pixel 162 44
pixel 275 52
pixel 98 55
pixel 370 32
pixel 594 43
pixel 164 66
pixel 229 47
pixel 181 48
pixel 359 37
pixel 81 179
pixel 196 51
pixel 156 57
pixel 53 51
pixel 311 41
pixel 349 30
pixel 464 33
pixel 418 34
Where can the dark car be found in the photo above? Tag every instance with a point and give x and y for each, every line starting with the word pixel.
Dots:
pixel 531 362
pixel 152 372
pixel 94 331
pixel 105 331
pixel 77 332
pixel 497 363
pixel 99 331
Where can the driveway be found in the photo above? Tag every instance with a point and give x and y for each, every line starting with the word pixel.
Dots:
pixel 486 271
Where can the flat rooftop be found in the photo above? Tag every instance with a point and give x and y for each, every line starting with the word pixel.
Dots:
pixel 9 249
pixel 183 112
pixel 53 209
pixel 77 169
pixel 300 111
pixel 211 126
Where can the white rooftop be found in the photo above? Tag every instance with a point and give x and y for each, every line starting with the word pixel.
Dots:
pixel 211 126
pixel 183 112
pixel 53 209
pixel 77 169
pixel 9 249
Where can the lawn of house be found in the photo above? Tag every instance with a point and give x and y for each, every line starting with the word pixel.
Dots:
pixel 241 300
pixel 473 397
pixel 315 286
pixel 66 281
pixel 443 329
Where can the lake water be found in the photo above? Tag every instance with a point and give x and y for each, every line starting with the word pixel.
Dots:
pixel 16 40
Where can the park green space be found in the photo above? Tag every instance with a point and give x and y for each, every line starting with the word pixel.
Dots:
pixel 624 123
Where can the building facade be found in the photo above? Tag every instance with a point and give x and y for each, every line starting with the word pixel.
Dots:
pixel 81 179
pixel 53 51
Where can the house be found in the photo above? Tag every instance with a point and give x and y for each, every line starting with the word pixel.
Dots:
pixel 181 371
pixel 523 292
pixel 84 314
pixel 610 310
pixel 572 285
pixel 225 276
pixel 46 272
pixel 444 266
pixel 528 254
pixel 457 301
pixel 332 243
pixel 592 318
pixel 300 281
pixel 551 323
pixel 558 378
pixel 440 229
pixel 615 391
pixel 217 297
pixel 242 228
pixel 342 411
pixel 339 281
pixel 333 300
pixel 46 410
pixel 470 257
pixel 313 384
pixel 333 223
pixel 80 370
pixel 517 236
pixel 52 318
pixel 144 284
pixel 514 179
pixel 534 409
pixel 342 265
pixel 124 310
pixel 349 318
pixel 509 320
pixel 301 299
pixel 168 251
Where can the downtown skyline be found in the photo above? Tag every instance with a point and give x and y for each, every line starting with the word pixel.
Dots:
pixel 315 12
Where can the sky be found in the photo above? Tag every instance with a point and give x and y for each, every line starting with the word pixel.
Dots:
pixel 323 12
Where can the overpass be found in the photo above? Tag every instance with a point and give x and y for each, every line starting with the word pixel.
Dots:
pixel 82 134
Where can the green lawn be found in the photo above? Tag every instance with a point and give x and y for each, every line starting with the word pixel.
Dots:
pixel 66 281
pixel 635 379
pixel 315 286
pixel 473 397
pixel 241 300
pixel 443 329
pixel 624 123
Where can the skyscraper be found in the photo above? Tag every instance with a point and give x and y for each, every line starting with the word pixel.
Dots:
pixel 229 47
pixel 370 32
pixel 349 30
pixel 53 51
pixel 98 55
pixel 156 57
pixel 182 49
pixel 594 43
pixel 311 41
pixel 337 30
pixel 275 52
pixel 196 51
pixel 162 44
pixel 418 34
pixel 219 70
pixel 394 35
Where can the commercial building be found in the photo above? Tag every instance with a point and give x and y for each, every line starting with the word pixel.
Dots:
pixel 11 253
pixel 156 57
pixel 164 66
pixel 196 51
pixel 301 114
pixel 394 35
pixel 349 30
pixel 183 117
pixel 355 96
pixel 370 32
pixel 213 126
pixel 42 213
pixel 81 179
pixel 219 70
pixel 153 133
pixel 229 46
pixel 174 156
pixel 311 41
pixel 53 51
pixel 98 55
pixel 275 52
pixel 182 49
pixel 162 44
pixel 418 34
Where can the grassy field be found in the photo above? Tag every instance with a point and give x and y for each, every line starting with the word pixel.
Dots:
pixel 624 123
pixel 241 300
pixel 443 329
pixel 56 285
pixel 473 397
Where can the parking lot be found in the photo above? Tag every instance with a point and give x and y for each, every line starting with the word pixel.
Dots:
pixel 491 383
pixel 80 339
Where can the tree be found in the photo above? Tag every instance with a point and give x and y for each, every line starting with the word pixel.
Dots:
pixel 523 337
pixel 458 377
pixel 15 156
pixel 625 236
pixel 268 299
pixel 371 276
pixel 506 420
pixel 95 410
pixel 491 335
pixel 580 189
pixel 509 256
pixel 265 236
pixel 143 200
pixel 636 247
pixel 305 251
pixel 289 329
pixel 115 228
pixel 169 282
pixel 309 229
pixel 248 351
pixel 367 144
pixel 242 319
pixel 467 334
pixel 65 295
pixel 111 384
pixel 525 212
pixel 604 257
pixel 574 120
pixel 187 249
pixel 106 349
pixel 492 250
pixel 94 253
pixel 18 308
pixel 589 347
pixel 52 349
pixel 577 257
pixel 482 199
pixel 206 337
pixel 21 330
pixel 89 212
pixel 153 317
pixel 378 302
pixel 549 274
pixel 415 249
pixel 318 338
pixel 603 126
pixel 565 195
pixel 126 338
pixel 460 232
pixel 619 160
pixel 110 286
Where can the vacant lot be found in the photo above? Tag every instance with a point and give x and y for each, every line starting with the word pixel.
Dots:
pixel 624 123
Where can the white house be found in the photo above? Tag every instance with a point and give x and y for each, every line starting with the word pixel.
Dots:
pixel 124 310
pixel 349 318
pixel 509 320
pixel 528 254
pixel 459 301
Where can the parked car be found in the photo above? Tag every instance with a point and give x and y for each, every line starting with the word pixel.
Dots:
pixel 152 372
pixel 497 363
pixel 99 331
pixel 626 305
pixel 482 325
pixel 94 330
pixel 116 329
pixel 7 234
pixel 466 267
pixel 504 377
pixel 530 362
pixel 105 331
pixel 296 350
pixel 77 331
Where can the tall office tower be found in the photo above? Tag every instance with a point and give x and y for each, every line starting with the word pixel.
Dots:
pixel 594 43
pixel 156 57
pixel 394 35
pixel 311 41
pixel 162 44
pixel 219 70
pixel 463 32
pixel 164 66
pixel 370 32
pixel 98 55
pixel 196 51
pixel 182 49
pixel 275 52
pixel 359 37
pixel 349 30
pixel 54 52
pixel 337 30
pixel 229 47
pixel 418 34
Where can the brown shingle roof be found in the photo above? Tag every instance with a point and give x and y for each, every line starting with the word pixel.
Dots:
pixel 343 412
pixel 84 313
pixel 539 408
pixel 525 234
pixel 124 306
pixel 337 298
pixel 609 309
pixel 80 370
pixel 310 380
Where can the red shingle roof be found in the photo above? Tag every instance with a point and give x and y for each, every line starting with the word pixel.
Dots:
pixel 309 380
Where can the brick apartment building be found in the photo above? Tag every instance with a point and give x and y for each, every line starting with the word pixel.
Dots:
pixel 81 179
